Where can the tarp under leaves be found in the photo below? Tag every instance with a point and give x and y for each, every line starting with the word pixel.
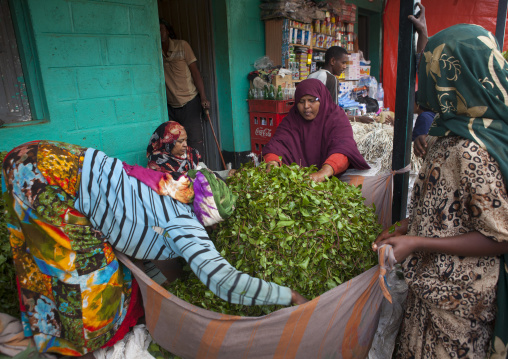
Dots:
pixel 341 323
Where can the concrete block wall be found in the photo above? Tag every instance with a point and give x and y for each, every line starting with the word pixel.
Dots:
pixel 102 78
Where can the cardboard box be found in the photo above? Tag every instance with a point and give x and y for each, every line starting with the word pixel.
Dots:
pixel 352 72
pixel 364 71
pixel 284 82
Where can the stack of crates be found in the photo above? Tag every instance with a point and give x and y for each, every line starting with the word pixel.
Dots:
pixel 264 117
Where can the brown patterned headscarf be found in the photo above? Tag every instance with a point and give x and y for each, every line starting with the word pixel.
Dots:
pixel 160 146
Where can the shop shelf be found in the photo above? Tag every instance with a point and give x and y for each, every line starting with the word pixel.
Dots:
pixel 272 106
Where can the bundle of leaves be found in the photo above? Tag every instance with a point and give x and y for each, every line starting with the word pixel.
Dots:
pixel 8 294
pixel 290 230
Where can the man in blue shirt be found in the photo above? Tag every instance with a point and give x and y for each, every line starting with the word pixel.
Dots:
pixel 423 121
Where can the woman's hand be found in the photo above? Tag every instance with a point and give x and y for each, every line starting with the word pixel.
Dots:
pixel 325 172
pixel 361 119
pixel 392 231
pixel 420 25
pixel 231 172
pixel 420 146
pixel 403 246
pixel 389 120
pixel 395 235
pixel 297 298
pixel 271 164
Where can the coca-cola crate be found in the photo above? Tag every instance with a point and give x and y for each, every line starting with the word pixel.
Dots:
pixel 274 106
pixel 263 124
pixel 257 145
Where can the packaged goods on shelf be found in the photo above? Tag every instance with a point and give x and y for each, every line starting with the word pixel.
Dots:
pixel 352 73
pixel 284 82
pixel 364 71
pixel 353 67
pixel 345 87
pixel 354 58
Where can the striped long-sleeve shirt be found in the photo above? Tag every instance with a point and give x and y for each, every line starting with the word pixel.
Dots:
pixel 129 214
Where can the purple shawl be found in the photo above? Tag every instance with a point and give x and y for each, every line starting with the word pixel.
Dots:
pixel 312 142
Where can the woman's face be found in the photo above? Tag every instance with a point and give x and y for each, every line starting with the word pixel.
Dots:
pixel 180 148
pixel 164 33
pixel 308 106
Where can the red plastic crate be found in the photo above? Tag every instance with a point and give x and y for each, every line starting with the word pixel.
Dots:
pixel 257 145
pixel 273 106
pixel 263 124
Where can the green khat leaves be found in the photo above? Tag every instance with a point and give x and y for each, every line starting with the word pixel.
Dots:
pixel 290 230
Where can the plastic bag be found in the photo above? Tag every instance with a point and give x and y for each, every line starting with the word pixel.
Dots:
pixel 390 318
pixel 263 63
pixel 133 346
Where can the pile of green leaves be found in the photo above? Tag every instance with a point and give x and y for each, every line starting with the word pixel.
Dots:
pixel 8 294
pixel 290 230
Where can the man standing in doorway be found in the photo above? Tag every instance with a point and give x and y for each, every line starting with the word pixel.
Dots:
pixel 185 91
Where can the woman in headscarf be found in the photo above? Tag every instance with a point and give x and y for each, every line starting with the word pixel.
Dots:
pixel 315 132
pixel 168 151
pixel 68 208
pixel 453 245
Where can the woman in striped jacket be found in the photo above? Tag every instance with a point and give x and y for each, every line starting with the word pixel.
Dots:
pixel 69 207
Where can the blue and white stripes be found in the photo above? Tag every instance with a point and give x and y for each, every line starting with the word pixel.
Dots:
pixel 129 214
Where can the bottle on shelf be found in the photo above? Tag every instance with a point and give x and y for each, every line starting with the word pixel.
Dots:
pixel 280 95
pixel 271 94
pixel 380 95
pixel 266 92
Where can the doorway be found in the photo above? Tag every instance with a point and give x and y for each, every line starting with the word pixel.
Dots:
pixel 363 35
pixel 192 22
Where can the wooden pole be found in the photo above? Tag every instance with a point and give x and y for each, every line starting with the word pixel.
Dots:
pixel 215 137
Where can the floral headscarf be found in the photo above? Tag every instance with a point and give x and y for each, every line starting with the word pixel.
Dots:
pixel 159 149
pixel 464 80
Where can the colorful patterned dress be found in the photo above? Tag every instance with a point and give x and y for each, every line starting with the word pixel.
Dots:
pixel 457 306
pixel 69 207
pixel 451 304
pixel 74 293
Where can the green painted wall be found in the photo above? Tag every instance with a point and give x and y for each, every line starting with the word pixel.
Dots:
pixel 99 69
pixel 239 41
pixel 375 43
pixel 222 64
